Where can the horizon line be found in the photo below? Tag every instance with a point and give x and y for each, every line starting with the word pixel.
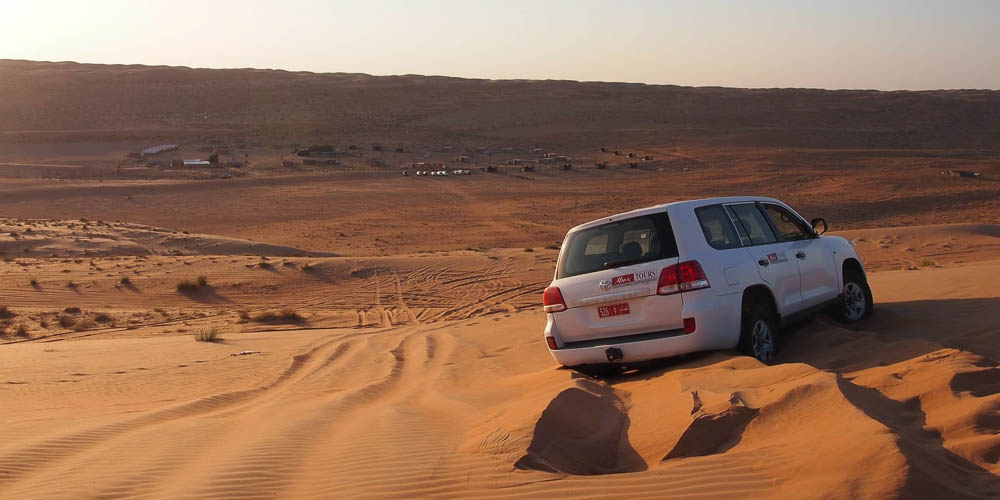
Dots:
pixel 283 70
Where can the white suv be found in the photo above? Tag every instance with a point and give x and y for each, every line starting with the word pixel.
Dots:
pixel 695 275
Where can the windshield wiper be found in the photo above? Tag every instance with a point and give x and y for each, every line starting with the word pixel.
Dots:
pixel 623 262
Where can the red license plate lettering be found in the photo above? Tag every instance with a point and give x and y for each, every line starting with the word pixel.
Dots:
pixel 612 310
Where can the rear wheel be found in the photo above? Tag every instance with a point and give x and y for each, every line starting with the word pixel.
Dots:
pixel 759 334
pixel 856 302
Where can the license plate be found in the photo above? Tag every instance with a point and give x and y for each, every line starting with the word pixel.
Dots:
pixel 612 310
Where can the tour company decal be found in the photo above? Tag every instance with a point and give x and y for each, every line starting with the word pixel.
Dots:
pixel 628 279
pixel 774 258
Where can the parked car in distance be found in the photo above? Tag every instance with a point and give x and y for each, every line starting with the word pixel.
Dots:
pixel 694 276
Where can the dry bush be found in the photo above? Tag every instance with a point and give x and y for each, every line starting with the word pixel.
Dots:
pixel 83 324
pixel 208 335
pixel 66 321
pixel 189 285
pixel 72 310
pixel 126 280
pixel 308 267
pixel 22 331
pixel 245 317
pixel 286 316
pixel 6 313
pixel 104 318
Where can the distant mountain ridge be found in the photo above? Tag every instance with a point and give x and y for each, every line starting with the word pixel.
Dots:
pixel 65 101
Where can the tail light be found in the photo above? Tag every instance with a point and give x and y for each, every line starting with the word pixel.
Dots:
pixel 551 341
pixel 689 325
pixel 552 300
pixel 682 277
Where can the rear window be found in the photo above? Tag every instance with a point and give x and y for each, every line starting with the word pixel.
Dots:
pixel 615 244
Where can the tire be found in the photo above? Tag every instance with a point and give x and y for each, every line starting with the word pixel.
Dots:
pixel 856 301
pixel 759 333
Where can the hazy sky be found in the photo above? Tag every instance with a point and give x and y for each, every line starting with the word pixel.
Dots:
pixel 882 44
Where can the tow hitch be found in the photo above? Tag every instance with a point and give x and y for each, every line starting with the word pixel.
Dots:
pixel 614 354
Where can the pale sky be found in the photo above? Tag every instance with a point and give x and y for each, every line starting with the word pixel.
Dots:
pixel 872 44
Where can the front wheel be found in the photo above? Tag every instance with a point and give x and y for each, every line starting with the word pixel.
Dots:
pixel 759 334
pixel 856 302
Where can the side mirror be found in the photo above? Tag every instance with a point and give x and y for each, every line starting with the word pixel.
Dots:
pixel 816 223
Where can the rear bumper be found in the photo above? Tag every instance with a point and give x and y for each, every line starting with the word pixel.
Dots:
pixel 644 350
pixel 717 321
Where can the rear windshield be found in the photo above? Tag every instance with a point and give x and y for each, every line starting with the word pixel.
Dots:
pixel 615 244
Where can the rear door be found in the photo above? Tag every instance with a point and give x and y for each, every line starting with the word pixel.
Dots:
pixel 771 256
pixel 817 268
pixel 608 275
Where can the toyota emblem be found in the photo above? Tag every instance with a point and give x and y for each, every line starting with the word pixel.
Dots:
pixel 606 284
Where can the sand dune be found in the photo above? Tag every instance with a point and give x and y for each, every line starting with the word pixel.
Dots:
pixel 438 384
pixel 385 341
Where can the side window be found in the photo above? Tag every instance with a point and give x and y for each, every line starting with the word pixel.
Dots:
pixel 718 229
pixel 753 223
pixel 790 227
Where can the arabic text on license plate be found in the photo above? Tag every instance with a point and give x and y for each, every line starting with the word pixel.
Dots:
pixel 612 310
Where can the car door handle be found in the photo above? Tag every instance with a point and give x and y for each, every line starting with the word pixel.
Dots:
pixel 800 254
pixel 763 262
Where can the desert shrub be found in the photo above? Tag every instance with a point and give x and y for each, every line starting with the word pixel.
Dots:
pixel 288 316
pixel 83 324
pixel 552 246
pixel 22 331
pixel 6 313
pixel 33 283
pixel 192 285
pixel 72 286
pixel 308 267
pixel 265 265
pixel 72 310
pixel 125 280
pixel 208 335
pixel 927 263
pixel 66 321
pixel 244 316
pixel 529 249
pixel 103 318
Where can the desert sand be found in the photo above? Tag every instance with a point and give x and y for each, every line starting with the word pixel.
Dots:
pixel 380 335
